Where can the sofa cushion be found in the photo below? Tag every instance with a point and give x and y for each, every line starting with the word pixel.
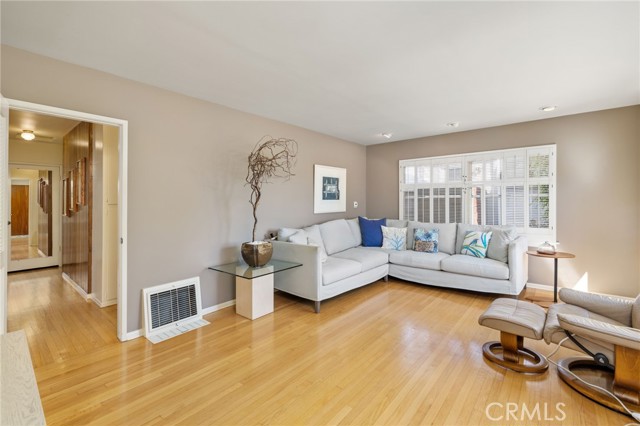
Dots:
pixel 498 248
pixel 336 269
pixel 499 244
pixel 336 236
pixel 394 238
pixel 418 260
pixel 355 230
pixel 446 235
pixel 425 241
pixel 469 265
pixel 368 259
pixel 301 237
pixel 371 230
pixel 314 238
pixel 285 233
pixel 463 228
pixel 397 223
pixel 476 243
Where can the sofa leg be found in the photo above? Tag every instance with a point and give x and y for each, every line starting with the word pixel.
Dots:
pixel 316 307
pixel 386 278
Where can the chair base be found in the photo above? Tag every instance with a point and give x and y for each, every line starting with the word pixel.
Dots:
pixel 520 359
pixel 590 371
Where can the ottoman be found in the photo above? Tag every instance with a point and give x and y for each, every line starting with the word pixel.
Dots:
pixel 515 319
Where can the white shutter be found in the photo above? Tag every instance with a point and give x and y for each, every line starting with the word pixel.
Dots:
pixel 505 187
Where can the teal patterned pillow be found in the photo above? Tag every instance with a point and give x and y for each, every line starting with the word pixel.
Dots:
pixel 476 243
pixel 425 241
pixel 394 238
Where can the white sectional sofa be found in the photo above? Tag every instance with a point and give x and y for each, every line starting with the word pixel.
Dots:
pixel 334 260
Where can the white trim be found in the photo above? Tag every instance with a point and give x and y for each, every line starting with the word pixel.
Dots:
pixel 140 332
pixel 540 286
pixel 123 149
pixel 133 335
pixel 99 303
pixel 215 308
pixel 4 209
pixel 76 287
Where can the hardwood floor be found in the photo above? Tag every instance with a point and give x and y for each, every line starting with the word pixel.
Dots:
pixel 389 353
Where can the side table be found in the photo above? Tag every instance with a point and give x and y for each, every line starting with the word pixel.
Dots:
pixel 555 256
pixel 254 286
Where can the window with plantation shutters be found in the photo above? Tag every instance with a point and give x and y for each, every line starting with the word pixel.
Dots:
pixel 508 187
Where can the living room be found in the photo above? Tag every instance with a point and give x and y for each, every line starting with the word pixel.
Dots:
pixel 187 200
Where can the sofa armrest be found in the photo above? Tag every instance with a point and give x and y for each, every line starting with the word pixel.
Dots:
pixel 610 333
pixel 518 264
pixel 304 281
pixel 615 307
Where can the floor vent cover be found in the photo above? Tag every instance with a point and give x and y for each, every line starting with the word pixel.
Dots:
pixel 172 309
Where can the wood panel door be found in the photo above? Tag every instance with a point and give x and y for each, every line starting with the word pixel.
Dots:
pixel 19 210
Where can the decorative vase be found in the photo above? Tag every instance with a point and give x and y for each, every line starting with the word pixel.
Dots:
pixel 547 248
pixel 257 253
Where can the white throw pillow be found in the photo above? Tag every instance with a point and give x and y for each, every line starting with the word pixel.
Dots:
pixel 394 238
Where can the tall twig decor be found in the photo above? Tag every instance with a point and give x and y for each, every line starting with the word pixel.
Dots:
pixel 271 158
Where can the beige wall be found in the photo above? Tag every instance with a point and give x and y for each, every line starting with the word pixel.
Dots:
pixel 598 190
pixel 188 206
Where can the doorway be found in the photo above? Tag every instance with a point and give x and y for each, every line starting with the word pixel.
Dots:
pixel 34 219
pixel 122 144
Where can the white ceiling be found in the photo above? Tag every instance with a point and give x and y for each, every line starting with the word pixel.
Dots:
pixel 355 69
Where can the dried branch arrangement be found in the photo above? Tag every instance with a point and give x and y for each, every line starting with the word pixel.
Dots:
pixel 271 158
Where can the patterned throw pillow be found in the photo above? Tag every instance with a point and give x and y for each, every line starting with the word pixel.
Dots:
pixel 476 243
pixel 425 241
pixel 394 238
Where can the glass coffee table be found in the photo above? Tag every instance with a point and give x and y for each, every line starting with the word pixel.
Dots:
pixel 254 286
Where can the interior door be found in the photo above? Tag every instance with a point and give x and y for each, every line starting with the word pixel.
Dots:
pixel 35 217
pixel 19 210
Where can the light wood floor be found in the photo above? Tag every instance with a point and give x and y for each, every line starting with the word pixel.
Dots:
pixel 20 249
pixel 389 353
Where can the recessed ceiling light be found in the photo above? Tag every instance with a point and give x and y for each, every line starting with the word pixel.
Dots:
pixel 453 124
pixel 27 135
pixel 548 108
pixel 387 135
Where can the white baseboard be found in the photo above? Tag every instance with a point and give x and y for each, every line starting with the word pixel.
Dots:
pixel 540 286
pixel 215 308
pixel 211 309
pixel 101 304
pixel 76 287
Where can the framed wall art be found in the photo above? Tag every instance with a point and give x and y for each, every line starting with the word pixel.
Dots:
pixel 329 189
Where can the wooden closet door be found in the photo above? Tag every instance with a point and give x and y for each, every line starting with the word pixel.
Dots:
pixel 19 210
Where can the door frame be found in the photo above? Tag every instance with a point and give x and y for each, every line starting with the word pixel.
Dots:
pixel 56 199
pixel 123 126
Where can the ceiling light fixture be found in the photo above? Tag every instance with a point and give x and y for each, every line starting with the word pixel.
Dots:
pixel 387 135
pixel 27 135
pixel 548 108
pixel 453 124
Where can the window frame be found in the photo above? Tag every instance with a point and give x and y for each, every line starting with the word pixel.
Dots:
pixel 514 170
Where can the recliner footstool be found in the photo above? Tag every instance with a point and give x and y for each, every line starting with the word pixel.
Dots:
pixel 515 319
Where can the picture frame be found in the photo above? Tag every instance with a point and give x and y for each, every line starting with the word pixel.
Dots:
pixel 81 165
pixel 71 191
pixel 65 196
pixel 329 189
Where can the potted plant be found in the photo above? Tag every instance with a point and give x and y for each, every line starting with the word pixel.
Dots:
pixel 271 158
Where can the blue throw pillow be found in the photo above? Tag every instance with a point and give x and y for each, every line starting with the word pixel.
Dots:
pixel 371 231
